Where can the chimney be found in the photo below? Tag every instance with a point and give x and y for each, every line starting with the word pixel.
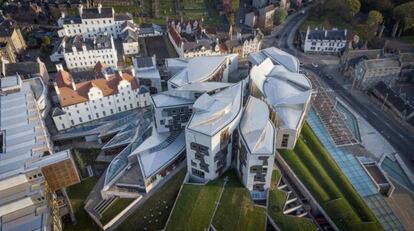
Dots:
pixel 59 67
pixel 99 8
pixel 62 14
pixel 80 10
pixel 84 47
pixel 326 33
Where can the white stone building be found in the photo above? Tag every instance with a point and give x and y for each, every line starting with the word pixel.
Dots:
pixel 325 41
pixel 190 40
pixel 81 52
pixel 129 38
pixel 111 92
pixel 244 44
pixel 93 21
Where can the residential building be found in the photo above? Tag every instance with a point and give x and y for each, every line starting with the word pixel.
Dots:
pixel 244 44
pixel 30 173
pixel 191 40
pixel 150 30
pixel 352 57
pixel 250 19
pixel 323 41
pixel 266 17
pixel 83 52
pixel 261 18
pixel 200 69
pixel 11 41
pixel 92 22
pixel 129 38
pixel 110 92
pixel 368 73
pixel 147 73
pixel 286 92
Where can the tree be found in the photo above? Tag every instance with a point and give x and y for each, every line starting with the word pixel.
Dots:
pixel 352 6
pixel 280 16
pixel 375 18
pixel 45 48
pixel 404 17
pixel 234 4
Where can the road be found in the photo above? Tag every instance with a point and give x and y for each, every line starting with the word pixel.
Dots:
pixel 396 134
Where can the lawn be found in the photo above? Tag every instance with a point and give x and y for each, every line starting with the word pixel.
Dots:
pixel 318 171
pixel 166 7
pixel 154 212
pixel 195 206
pixel 85 157
pixel 277 199
pixel 77 195
pixel 114 209
pixel 236 210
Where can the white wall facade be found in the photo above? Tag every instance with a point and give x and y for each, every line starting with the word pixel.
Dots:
pixel 214 147
pixel 130 48
pixel 88 58
pixel 91 27
pixel 101 106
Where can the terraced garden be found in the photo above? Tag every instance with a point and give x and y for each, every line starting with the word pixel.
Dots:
pixel 319 173
pixel 277 199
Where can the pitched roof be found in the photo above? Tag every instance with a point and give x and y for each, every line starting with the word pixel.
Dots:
pixel 109 85
pixel 175 35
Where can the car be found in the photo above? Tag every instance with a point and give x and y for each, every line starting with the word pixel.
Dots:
pixel 315 65
pixel 302 12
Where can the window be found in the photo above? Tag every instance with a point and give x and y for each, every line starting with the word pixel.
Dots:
pixel 104 113
pixel 162 122
pixel 89 117
pixel 285 140
pixel 125 107
pixel 197 172
pixel 112 111
pixel 72 122
pixel 80 119
pixel 97 115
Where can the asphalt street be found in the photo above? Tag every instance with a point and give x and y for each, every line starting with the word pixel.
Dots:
pixel 394 132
